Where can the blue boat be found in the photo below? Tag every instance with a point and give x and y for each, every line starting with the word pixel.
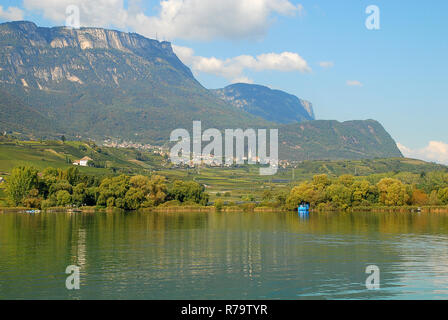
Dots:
pixel 32 211
pixel 304 209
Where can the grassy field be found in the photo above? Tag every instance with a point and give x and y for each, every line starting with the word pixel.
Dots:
pixel 61 155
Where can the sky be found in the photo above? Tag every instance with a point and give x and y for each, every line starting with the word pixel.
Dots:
pixel 389 64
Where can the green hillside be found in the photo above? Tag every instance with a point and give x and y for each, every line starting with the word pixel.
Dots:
pixel 333 140
pixel 57 154
pixel 236 182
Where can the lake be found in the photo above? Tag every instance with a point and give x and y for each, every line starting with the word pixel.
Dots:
pixel 223 255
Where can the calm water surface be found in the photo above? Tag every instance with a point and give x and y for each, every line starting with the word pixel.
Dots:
pixel 223 256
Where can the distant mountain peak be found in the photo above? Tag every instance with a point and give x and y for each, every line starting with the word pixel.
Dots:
pixel 270 104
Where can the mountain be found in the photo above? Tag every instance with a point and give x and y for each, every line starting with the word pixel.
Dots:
pixel 333 140
pixel 93 83
pixel 17 117
pixel 100 83
pixel 272 105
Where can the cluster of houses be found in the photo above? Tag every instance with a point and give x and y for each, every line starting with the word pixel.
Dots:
pixel 131 145
pixel 211 161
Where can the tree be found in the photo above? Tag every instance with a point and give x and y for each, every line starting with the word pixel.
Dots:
pixel 419 197
pixel 321 181
pixel 63 198
pixel 443 196
pixel 267 195
pixel 60 185
pixel 363 193
pixel 158 190
pixel 188 192
pixel 134 198
pixel 340 195
pixel 219 204
pixel 79 196
pixel 346 180
pixel 393 192
pixel 63 139
pixel 33 200
pixel 304 192
pixel 20 183
pixel 116 188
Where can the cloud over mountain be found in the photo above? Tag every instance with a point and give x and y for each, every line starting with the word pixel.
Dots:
pixel 233 68
pixel 11 13
pixel 176 19
pixel 435 151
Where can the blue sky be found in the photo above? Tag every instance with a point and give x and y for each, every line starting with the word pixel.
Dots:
pixel 397 74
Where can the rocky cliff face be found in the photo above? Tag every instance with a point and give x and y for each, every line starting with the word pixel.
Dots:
pixel 272 105
pixel 44 57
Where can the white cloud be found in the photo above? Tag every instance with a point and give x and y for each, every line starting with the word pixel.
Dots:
pixel 354 83
pixel 326 64
pixel 176 19
pixel 435 151
pixel 11 14
pixel 233 68
pixel 243 79
pixel 95 13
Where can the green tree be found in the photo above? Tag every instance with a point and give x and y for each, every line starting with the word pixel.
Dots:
pixel 188 192
pixel 443 195
pixel 116 188
pixel 33 200
pixel 303 192
pixel 134 198
pixel 340 195
pixel 158 190
pixel 80 194
pixel 20 183
pixel 219 204
pixel 63 198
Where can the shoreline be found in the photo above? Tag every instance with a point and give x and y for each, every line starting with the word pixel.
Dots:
pixel 212 209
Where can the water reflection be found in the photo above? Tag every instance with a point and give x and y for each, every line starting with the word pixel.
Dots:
pixel 223 256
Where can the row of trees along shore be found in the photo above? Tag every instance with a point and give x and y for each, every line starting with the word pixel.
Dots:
pixel 27 187
pixel 61 188
pixel 347 192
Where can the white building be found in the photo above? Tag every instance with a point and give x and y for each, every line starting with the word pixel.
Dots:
pixel 84 162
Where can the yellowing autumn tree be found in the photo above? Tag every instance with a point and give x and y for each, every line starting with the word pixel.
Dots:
pixel 393 192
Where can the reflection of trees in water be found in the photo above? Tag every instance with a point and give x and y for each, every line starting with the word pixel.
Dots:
pixel 424 265
pixel 224 255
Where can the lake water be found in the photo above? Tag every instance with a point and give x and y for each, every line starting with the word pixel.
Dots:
pixel 223 256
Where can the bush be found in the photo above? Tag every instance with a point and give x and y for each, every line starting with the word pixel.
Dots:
pixel 219 204
pixel 172 203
